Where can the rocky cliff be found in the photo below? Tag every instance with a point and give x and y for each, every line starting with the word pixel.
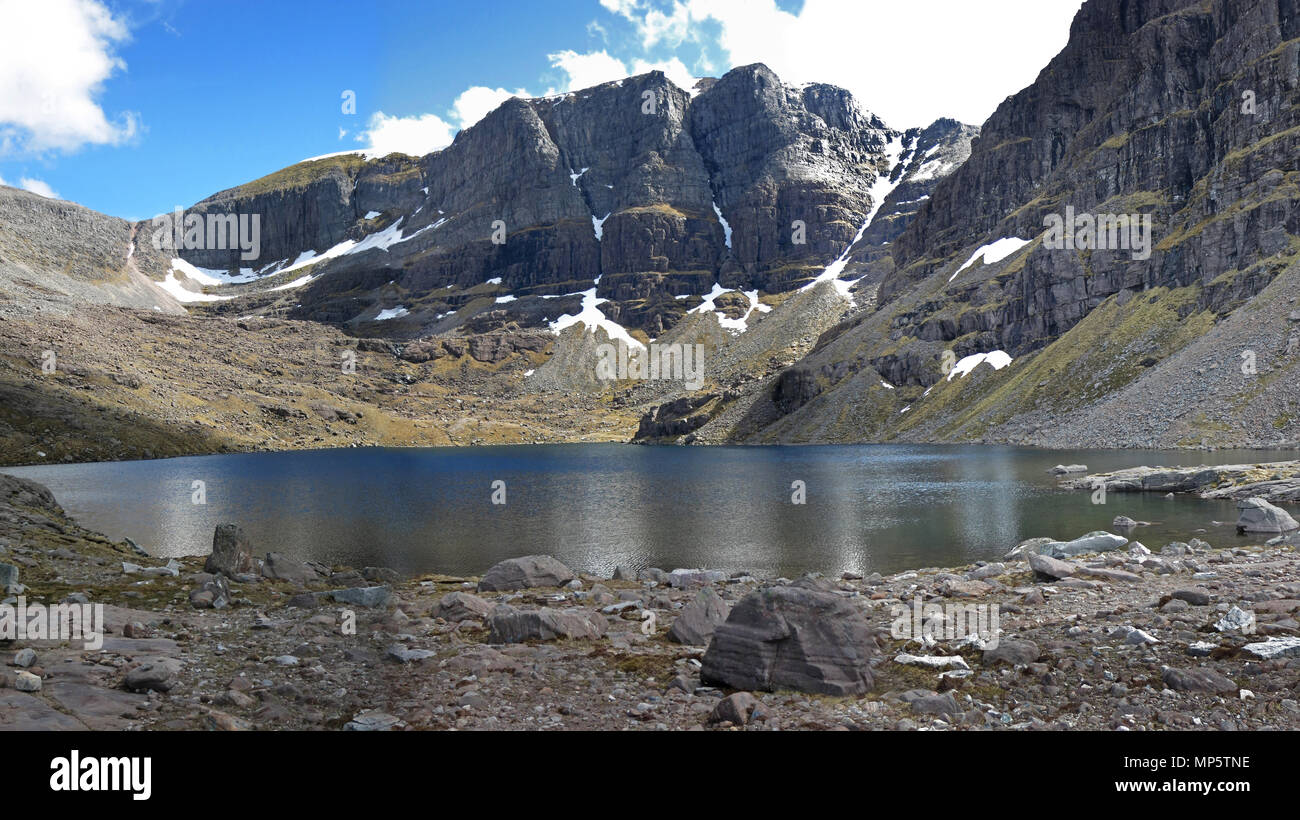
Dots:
pixel 1180 112
pixel 648 192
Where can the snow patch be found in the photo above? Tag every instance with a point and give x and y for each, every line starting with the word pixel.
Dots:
pixel 591 316
pixel 997 359
pixel 391 313
pixel 993 252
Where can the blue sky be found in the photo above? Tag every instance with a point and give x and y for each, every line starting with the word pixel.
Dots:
pixel 133 107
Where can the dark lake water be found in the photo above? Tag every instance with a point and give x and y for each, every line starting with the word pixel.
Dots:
pixel 869 507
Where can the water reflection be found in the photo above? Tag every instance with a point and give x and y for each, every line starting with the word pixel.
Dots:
pixel 869 507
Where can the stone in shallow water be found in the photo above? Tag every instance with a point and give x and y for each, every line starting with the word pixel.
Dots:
pixel 788 637
pixel 1257 515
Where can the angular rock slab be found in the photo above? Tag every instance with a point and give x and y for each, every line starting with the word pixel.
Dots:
pixel 509 625
pixel 695 625
pixel 788 637
pixel 21 712
pixel 461 606
pixel 525 572
pixel 1257 515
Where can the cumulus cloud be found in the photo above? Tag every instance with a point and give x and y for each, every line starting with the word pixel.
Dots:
pixel 417 135
pixel 55 56
pixel 596 67
pixel 37 186
pixel 896 58
pixel 476 102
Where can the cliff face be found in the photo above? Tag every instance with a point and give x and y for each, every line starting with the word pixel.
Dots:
pixel 655 191
pixel 1180 111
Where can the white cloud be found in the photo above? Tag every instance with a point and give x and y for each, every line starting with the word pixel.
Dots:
pixel 416 136
pixel 37 186
pixel 908 62
pixel 596 67
pixel 55 56
pixel 476 102
pixel 586 70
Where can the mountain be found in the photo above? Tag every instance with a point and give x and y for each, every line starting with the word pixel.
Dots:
pixel 1180 111
pixel 742 215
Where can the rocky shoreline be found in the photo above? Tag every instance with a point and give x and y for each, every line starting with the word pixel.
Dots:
pixel 1122 639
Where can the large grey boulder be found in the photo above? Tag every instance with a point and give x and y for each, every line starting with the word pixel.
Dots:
pixel 461 606
pixel 1198 680
pixel 368 597
pixel 8 576
pixel 525 572
pixel 158 674
pixel 231 554
pixel 1048 568
pixel 506 624
pixel 280 567
pixel 1097 541
pixel 695 625
pixel 1257 515
pixel 788 637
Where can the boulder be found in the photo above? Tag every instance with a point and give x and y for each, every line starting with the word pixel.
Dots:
pixel 695 625
pixel 788 637
pixel 157 674
pixel 8 576
pixel 507 624
pixel 1097 541
pixel 461 606
pixel 362 596
pixel 213 593
pixel 1257 515
pixel 1012 651
pixel 1205 681
pixel 1046 567
pixel 524 573
pixel 737 708
pixel 231 554
pixel 282 568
